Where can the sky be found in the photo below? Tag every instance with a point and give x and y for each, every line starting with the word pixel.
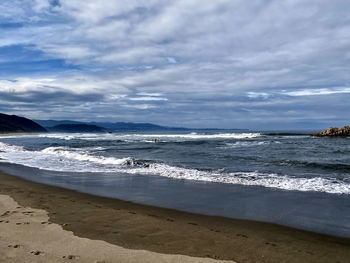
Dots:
pixel 259 64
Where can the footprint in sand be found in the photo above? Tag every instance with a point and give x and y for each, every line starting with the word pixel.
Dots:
pixel 152 215
pixel 271 244
pixel 22 223
pixel 6 213
pixel 71 257
pixel 242 235
pixel 14 246
pixel 37 253
pixel 27 212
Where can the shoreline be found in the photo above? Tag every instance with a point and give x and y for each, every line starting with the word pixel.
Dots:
pixel 4 134
pixel 168 231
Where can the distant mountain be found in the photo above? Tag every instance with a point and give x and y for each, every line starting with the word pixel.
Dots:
pixel 76 128
pixel 128 126
pixel 52 123
pixel 117 126
pixel 13 123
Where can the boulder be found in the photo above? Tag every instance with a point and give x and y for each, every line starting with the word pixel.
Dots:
pixel 334 132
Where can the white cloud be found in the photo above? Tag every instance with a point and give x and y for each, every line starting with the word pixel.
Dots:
pixel 148 99
pixel 69 52
pixel 316 92
pixel 21 85
pixel 149 94
pixel 75 83
pixel 140 106
pixel 171 60
pixel 40 5
pixel 256 95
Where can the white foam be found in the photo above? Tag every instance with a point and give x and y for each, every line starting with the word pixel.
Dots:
pixel 82 160
pixel 66 137
pixel 85 157
pixel 199 136
pixel 269 180
pixel 239 144
pixel 8 148
pixel 149 137
pixel 61 159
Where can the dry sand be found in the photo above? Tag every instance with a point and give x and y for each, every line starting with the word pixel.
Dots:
pixel 28 236
pixel 140 227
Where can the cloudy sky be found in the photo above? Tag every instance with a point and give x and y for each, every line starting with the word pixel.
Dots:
pixel 260 64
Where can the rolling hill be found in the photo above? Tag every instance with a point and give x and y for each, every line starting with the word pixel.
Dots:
pixel 13 123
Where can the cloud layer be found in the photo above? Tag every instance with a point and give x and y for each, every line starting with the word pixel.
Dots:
pixel 225 63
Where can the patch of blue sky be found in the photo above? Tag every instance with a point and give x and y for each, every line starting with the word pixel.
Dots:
pixel 19 60
pixel 10 25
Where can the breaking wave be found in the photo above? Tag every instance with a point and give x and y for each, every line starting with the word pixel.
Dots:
pixel 239 144
pixel 67 159
pixel 150 137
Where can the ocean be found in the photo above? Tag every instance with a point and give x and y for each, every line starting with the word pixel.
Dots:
pixel 288 178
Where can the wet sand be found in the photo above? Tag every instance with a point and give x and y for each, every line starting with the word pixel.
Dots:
pixel 160 230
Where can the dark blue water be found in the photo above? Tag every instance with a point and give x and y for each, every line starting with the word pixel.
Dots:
pixel 293 180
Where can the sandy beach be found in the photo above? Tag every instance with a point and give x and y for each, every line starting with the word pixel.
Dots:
pixel 28 236
pixel 41 223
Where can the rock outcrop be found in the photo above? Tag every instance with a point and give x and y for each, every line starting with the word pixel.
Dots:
pixel 334 132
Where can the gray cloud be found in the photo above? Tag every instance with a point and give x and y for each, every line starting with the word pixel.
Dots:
pixel 46 98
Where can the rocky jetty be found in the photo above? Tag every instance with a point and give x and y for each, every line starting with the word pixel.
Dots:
pixel 334 132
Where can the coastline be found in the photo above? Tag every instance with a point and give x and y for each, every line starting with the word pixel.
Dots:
pixel 4 134
pixel 167 231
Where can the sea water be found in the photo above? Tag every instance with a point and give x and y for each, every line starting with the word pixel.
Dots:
pixel 286 178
